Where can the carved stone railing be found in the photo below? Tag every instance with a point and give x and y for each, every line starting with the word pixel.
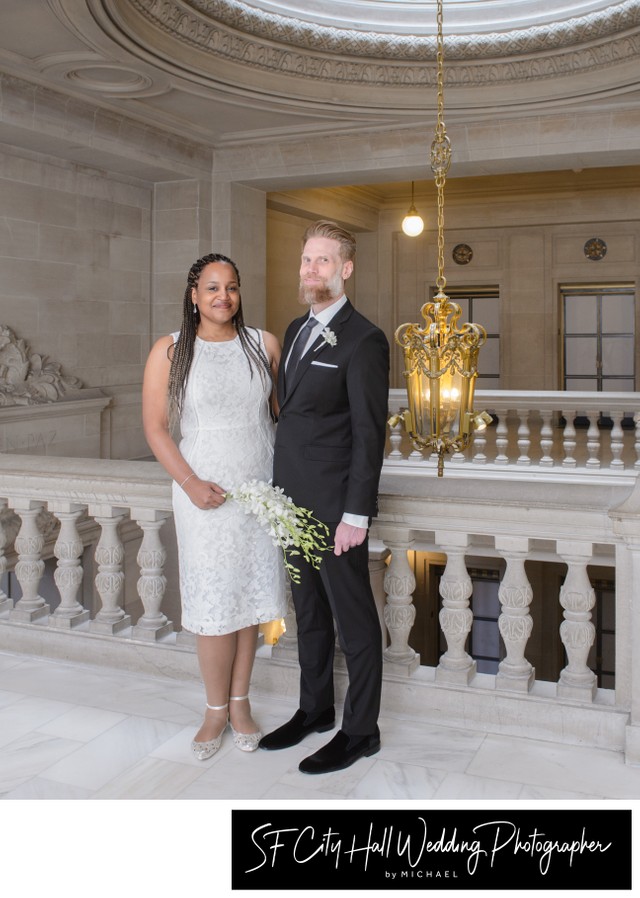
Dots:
pixel 58 509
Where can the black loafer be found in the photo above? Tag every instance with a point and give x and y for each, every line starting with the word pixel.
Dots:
pixel 297 728
pixel 341 752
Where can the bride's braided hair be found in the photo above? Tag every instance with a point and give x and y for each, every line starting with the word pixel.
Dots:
pixel 181 352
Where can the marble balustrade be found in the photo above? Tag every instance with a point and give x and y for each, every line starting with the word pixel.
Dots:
pixel 542 430
pixel 575 515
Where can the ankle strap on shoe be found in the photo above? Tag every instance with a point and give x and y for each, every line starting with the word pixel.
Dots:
pixel 217 707
pixel 237 698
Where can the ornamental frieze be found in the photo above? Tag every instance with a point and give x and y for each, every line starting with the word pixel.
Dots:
pixel 230 30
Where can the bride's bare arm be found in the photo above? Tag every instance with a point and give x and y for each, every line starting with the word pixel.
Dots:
pixel 155 421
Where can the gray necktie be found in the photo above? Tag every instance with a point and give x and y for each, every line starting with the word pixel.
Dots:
pixel 298 348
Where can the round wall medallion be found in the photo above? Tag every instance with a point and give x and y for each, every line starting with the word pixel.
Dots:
pixel 462 254
pixel 110 79
pixel 595 249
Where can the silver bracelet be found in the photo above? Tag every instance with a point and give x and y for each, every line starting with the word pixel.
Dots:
pixel 187 478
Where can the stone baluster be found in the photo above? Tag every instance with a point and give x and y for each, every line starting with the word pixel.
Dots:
pixel 399 611
pixel 416 454
pixel 593 441
pixel 152 583
pixel 515 623
pixel 6 604
pixel 569 440
pixel 502 439
pixel 524 437
pixel 30 567
pixel 577 632
pixel 479 446
pixel 546 440
pixel 617 441
pixel 456 617
pixel 68 573
pixel 111 619
pixel 636 445
pixel 395 440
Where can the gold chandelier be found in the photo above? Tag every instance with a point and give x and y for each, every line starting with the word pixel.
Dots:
pixel 440 358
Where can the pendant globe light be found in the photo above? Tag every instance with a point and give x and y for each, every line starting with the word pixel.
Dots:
pixel 412 223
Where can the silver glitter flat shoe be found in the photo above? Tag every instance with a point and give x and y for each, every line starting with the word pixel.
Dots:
pixel 244 741
pixel 205 750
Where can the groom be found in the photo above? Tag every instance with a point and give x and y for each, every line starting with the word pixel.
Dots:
pixel 333 388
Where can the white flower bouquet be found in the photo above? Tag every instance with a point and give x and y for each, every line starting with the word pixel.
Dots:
pixel 291 527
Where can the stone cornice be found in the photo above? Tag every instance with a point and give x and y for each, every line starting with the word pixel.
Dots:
pixel 231 30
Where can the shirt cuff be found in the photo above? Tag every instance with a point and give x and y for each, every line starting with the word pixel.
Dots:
pixel 355 520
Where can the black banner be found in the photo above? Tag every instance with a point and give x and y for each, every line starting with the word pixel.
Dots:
pixel 434 849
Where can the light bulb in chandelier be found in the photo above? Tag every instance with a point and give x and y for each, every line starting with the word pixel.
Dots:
pixel 412 223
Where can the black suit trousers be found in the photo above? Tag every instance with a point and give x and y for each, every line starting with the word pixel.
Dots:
pixel 340 591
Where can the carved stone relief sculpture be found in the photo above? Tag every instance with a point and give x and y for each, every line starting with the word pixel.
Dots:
pixel 27 378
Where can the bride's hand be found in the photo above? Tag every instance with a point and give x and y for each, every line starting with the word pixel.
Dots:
pixel 204 493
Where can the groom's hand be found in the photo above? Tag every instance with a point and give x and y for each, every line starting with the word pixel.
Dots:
pixel 347 537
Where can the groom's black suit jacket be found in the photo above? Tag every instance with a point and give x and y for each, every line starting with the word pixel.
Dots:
pixel 331 429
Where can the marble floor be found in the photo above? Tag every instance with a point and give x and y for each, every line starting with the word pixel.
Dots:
pixel 70 732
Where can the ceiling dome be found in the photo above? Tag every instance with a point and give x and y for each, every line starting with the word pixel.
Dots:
pixel 419 18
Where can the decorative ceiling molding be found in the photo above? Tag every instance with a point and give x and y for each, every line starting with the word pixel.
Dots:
pixel 231 30
pixel 246 19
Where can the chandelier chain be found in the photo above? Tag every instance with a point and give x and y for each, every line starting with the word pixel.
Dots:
pixel 440 151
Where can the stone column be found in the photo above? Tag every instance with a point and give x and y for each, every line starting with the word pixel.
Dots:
pixel 239 230
pixel 399 613
pixel 111 618
pixel 456 617
pixel 152 583
pixel 68 573
pixel 577 632
pixel 30 567
pixel 515 673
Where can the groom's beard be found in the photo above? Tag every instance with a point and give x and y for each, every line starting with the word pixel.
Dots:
pixel 315 295
pixel 312 296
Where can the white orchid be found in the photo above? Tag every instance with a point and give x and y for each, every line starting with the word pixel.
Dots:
pixel 291 527
pixel 329 337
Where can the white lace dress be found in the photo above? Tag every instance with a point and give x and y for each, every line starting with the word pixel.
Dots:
pixel 231 574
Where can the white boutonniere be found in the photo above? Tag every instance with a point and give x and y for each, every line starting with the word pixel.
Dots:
pixel 329 337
